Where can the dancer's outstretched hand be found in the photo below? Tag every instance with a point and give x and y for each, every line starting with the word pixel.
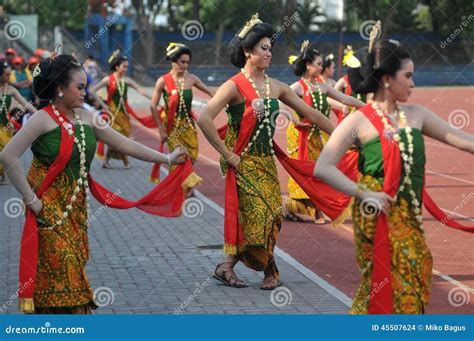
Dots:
pixel 233 161
pixel 36 207
pixel 179 155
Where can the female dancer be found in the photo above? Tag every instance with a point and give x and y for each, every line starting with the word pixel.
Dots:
pixel 395 261
pixel 117 105
pixel 7 122
pixel 62 136
pixel 328 70
pixel 176 88
pixel 253 197
pixel 306 143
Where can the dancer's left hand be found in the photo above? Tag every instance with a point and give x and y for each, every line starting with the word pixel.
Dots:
pixel 179 155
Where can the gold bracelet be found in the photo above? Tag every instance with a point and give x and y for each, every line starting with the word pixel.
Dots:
pixel 361 188
pixel 231 157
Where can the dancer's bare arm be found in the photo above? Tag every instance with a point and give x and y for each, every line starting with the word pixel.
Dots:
pixel 93 91
pixel 20 99
pixel 340 97
pixel 198 83
pixel 440 130
pixel 137 87
pixel 155 101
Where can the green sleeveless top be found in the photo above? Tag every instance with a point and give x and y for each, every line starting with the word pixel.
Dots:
pixel 3 113
pixel 188 100
pixel 320 98
pixel 46 148
pixel 116 94
pixel 371 161
pixel 262 144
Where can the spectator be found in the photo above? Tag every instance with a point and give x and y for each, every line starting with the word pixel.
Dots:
pixel 21 78
pixel 10 54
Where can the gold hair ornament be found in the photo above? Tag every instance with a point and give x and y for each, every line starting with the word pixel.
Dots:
pixel 254 20
pixel 374 34
pixel 349 59
pixel 173 48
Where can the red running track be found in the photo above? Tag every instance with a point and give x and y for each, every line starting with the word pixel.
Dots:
pixel 329 252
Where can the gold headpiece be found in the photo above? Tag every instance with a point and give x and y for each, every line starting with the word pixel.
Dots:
pixel 374 34
pixel 254 20
pixel 304 45
pixel 173 48
pixel 291 59
pixel 114 55
pixel 36 71
pixel 349 59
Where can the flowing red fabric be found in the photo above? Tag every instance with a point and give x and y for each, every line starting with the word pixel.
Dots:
pixel 333 203
pixel 382 299
pixel 14 122
pixel 165 200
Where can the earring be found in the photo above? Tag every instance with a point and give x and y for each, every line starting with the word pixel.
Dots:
pixel 60 95
pixel 386 85
pixel 247 55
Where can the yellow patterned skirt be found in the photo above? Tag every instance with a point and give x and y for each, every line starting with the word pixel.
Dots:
pixel 6 134
pixel 120 122
pixel 411 260
pixel 61 280
pixel 298 201
pixel 183 133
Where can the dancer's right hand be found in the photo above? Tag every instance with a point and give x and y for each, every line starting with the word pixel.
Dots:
pixel 375 202
pixel 163 136
pixel 233 160
pixel 36 207
pixel 178 155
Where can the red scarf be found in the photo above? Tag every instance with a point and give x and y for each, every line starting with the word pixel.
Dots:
pixel 164 200
pixel 330 201
pixel 382 299
pixel 303 143
pixel 147 121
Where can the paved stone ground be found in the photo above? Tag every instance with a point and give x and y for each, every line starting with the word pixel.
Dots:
pixel 154 265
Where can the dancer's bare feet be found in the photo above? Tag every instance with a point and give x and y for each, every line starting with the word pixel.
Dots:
pixel 270 282
pixel 225 274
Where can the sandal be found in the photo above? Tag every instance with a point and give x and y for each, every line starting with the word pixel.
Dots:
pixel 269 280
pixel 232 281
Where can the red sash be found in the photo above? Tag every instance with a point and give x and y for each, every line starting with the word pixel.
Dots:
pixel 330 201
pixel 381 301
pixel 303 143
pixel 173 101
pixel 164 200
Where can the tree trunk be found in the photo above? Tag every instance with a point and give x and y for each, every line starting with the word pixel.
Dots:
pixel 172 24
pixel 290 9
pixel 219 35
pixel 195 14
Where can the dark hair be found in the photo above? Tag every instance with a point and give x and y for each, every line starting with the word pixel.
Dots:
pixel 116 61
pixel 3 67
pixel 53 73
pixel 237 45
pixel 308 55
pixel 182 50
pixel 327 62
pixel 384 59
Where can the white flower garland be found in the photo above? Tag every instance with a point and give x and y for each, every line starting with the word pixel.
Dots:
pixel 3 100
pixel 406 154
pixel 265 123
pixel 82 180
pixel 182 104
pixel 121 91
pixel 316 104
